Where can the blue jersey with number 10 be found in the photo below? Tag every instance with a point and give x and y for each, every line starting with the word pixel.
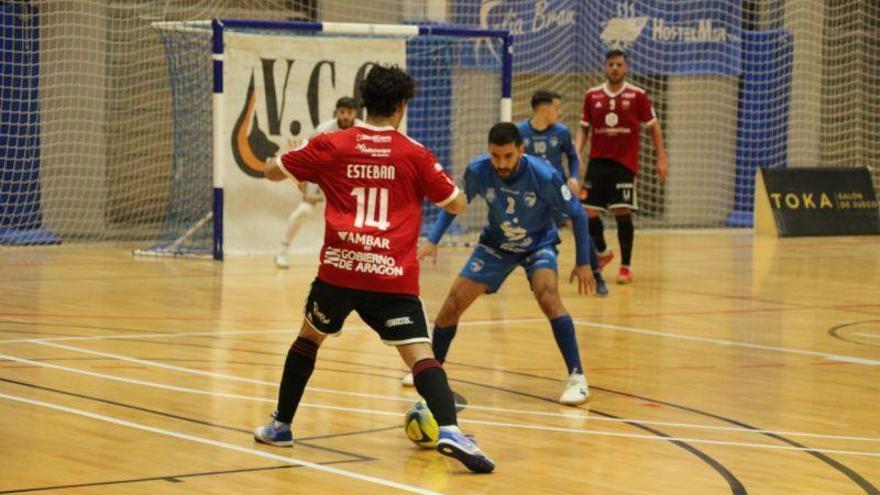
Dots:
pixel 520 207
pixel 550 144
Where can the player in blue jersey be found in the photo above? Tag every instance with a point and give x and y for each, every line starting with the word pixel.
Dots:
pixel 545 137
pixel 521 192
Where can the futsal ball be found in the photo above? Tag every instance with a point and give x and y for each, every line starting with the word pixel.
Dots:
pixel 420 426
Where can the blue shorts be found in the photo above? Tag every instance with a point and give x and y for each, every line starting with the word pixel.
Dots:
pixel 491 267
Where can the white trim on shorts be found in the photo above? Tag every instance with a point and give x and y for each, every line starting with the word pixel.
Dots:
pixel 633 207
pixel 594 208
pixel 396 343
pixel 312 324
pixel 313 327
pixel 635 199
pixel 610 207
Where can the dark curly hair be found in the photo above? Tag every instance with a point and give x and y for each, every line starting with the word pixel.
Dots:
pixel 505 133
pixel 385 88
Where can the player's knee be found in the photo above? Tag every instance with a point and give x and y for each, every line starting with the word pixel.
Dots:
pixel 552 308
pixel 310 334
pixel 622 214
pixel 300 213
pixel 305 208
pixel 548 298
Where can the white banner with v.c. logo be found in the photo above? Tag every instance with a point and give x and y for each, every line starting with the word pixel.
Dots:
pixel 277 89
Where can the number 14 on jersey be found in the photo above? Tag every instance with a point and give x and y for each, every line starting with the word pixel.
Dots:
pixel 372 207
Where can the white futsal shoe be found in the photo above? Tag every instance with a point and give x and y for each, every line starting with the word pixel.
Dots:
pixel 576 390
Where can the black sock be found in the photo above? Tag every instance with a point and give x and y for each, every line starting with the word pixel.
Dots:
pixel 431 383
pixel 297 369
pixel 441 340
pixel 625 234
pixel 597 232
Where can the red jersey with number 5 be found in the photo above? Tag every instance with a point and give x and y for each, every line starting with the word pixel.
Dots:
pixel 374 179
pixel 615 119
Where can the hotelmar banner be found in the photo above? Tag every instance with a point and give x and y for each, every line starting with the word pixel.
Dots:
pixel 662 37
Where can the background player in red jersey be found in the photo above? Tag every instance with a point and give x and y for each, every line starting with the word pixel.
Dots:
pixel 612 116
pixel 374 179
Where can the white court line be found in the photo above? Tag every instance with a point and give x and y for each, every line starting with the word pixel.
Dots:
pixel 159 364
pixel 606 326
pixel 123 336
pixel 560 429
pixel 175 388
pixel 396 414
pixel 223 445
pixel 739 429
pixel 663 438
pixel 293 330
pixel 869 335
pixel 733 343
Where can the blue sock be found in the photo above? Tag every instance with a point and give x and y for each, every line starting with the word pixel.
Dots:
pixel 563 331
pixel 441 341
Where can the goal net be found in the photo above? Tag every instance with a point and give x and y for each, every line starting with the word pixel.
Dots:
pixel 737 85
pixel 93 147
pixel 273 84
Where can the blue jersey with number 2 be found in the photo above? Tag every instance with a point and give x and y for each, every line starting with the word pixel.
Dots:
pixel 521 207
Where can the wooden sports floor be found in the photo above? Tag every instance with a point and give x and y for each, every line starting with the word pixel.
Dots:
pixel 731 365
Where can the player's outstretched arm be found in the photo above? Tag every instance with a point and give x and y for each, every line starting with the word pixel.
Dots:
pixel 583 245
pixel 584 276
pixel 575 185
pixel 443 221
pixel 659 148
pixel 272 170
pixel 556 193
pixel 574 164
pixel 451 208
pixel 583 137
pixel 427 250
pixel 457 205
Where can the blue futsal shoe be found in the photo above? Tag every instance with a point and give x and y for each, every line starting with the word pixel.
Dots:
pixel 601 288
pixel 452 443
pixel 275 433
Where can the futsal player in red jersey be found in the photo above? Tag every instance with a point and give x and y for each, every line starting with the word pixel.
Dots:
pixel 612 116
pixel 374 179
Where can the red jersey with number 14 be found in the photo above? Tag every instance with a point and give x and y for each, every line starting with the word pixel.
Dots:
pixel 616 119
pixel 374 179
